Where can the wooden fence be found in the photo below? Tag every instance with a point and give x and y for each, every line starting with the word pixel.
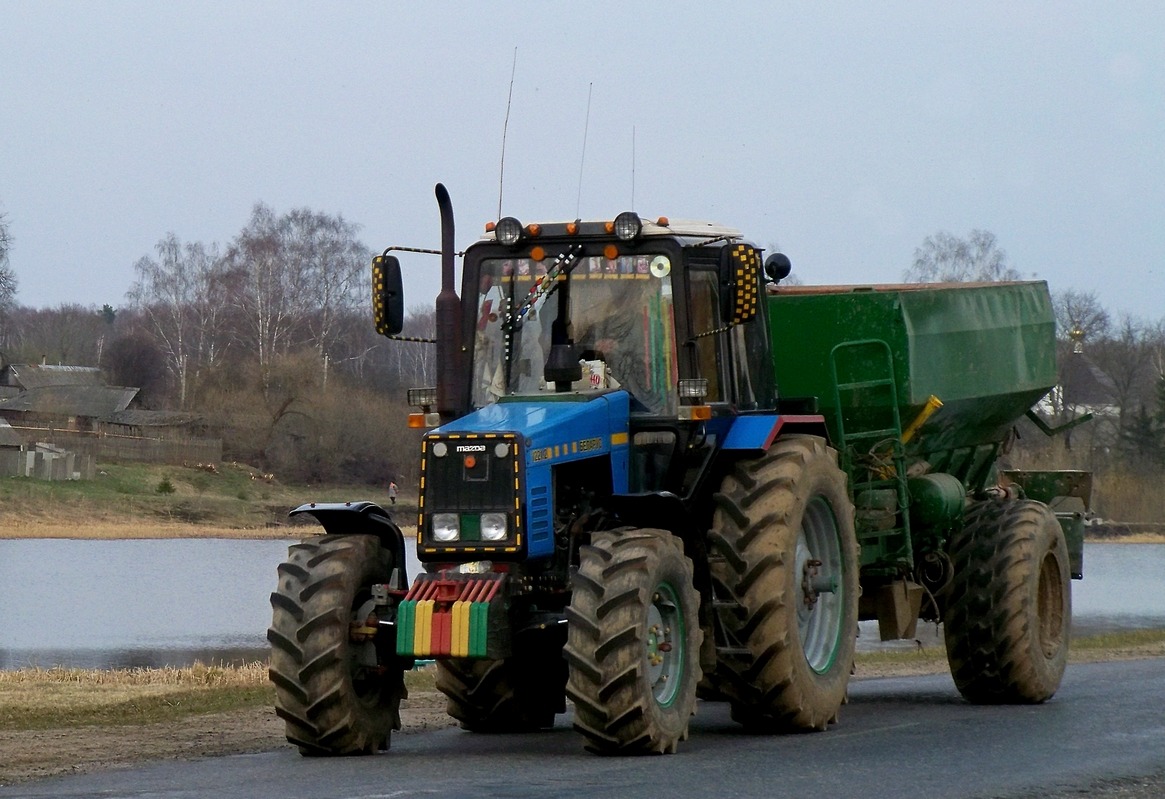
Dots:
pixel 138 449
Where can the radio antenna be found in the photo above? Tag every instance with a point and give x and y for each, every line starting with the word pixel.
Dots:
pixel 505 129
pixel 582 161
pixel 632 167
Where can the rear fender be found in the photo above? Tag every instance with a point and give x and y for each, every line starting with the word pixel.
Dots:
pixel 362 518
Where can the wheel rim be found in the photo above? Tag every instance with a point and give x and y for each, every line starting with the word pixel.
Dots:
pixel 819 568
pixel 1050 605
pixel 665 645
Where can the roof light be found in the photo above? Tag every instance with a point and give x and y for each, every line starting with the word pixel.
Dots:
pixel 610 252
pixel 422 397
pixel 628 226
pixel 693 388
pixel 534 229
pixel 509 231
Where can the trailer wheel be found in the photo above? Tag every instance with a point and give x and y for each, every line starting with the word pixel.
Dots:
pixel 335 692
pixel 522 693
pixel 785 569
pixel 1009 605
pixel 633 643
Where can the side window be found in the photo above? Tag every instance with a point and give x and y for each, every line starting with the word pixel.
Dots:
pixel 704 315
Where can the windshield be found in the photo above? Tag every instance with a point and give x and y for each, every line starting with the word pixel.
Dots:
pixel 621 322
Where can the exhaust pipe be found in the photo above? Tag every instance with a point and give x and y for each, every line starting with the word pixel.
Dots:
pixel 448 316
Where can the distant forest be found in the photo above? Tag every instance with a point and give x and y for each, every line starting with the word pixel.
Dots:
pixel 270 339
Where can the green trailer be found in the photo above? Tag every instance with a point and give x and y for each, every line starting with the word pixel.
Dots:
pixel 921 387
pixel 651 472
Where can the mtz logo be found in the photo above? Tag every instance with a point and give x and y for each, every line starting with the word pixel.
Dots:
pixel 471 447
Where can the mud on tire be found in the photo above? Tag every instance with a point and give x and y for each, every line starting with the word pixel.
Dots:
pixel 333 695
pixel 633 643
pixel 793 624
pixel 1009 606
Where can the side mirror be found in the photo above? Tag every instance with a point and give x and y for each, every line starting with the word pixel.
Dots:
pixel 388 299
pixel 744 274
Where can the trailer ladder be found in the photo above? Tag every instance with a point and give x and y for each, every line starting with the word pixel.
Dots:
pixel 869 438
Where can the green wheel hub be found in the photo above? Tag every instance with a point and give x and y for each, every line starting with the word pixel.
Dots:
pixel 665 645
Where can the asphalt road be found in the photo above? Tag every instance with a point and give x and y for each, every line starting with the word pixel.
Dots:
pixel 902 738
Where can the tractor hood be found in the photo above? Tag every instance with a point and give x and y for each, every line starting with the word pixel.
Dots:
pixel 556 429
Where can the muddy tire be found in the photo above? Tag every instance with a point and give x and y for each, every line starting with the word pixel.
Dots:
pixel 337 696
pixel 633 643
pixel 1009 606
pixel 785 565
pixel 520 694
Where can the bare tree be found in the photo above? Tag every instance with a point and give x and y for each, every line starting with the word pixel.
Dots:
pixel 7 280
pixel 945 258
pixel 68 334
pixel 299 274
pixel 182 295
pixel 1079 316
pixel 271 297
pixel 1127 359
pixel 333 264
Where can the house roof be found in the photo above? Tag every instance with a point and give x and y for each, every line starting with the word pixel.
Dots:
pixel 8 436
pixel 29 376
pixel 1084 382
pixel 93 401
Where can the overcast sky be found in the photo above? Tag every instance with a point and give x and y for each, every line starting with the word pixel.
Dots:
pixel 842 133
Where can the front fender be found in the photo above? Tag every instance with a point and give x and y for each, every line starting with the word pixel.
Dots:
pixel 361 518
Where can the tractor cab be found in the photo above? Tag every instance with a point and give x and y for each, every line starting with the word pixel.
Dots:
pixel 670 313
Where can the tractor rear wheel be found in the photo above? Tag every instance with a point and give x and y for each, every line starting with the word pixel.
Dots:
pixel 784 562
pixel 337 691
pixel 1009 605
pixel 633 643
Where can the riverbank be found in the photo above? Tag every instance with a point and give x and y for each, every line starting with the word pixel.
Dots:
pixel 113 530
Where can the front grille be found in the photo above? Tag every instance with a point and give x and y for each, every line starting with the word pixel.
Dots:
pixel 470 479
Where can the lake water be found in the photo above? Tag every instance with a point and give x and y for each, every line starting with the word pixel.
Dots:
pixel 105 604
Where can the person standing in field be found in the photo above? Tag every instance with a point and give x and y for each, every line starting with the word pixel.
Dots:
pixel 392 492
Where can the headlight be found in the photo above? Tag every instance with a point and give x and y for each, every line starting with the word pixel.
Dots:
pixel 628 226
pixel 493 526
pixel 508 231
pixel 446 527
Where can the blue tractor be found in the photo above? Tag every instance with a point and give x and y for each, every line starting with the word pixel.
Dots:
pixel 615 507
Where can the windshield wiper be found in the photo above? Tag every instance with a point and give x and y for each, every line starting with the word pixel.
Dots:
pixel 544 285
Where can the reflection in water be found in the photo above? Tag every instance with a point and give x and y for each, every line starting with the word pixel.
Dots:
pixel 105 604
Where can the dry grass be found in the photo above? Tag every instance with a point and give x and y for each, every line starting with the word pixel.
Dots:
pixel 115 529
pixel 38 698
pixel 1129 538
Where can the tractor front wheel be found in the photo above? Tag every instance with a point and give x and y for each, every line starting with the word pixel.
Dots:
pixel 337 691
pixel 633 643
pixel 522 693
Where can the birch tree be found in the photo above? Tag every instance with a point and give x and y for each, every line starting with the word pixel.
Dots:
pixel 181 295
pixel 946 258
